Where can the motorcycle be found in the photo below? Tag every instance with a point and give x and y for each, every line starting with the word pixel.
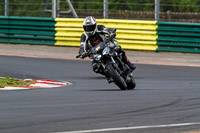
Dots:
pixel 110 64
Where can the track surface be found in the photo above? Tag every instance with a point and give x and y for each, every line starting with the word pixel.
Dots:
pixel 164 95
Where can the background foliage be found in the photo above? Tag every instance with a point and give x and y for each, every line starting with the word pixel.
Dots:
pixel 123 9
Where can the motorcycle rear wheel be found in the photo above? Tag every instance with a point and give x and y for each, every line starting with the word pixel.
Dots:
pixel 130 83
pixel 119 81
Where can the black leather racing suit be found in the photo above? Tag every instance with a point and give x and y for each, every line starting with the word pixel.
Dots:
pixel 88 42
pixel 100 36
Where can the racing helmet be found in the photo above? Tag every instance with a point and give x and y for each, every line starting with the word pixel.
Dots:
pixel 90 25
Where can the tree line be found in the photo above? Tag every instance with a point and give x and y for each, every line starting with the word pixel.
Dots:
pixel 141 5
pixel 36 7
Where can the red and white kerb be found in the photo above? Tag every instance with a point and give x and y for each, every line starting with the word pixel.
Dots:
pixel 40 83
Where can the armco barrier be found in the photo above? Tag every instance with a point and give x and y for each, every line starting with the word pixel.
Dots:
pixel 131 34
pixel 179 37
pixel 27 30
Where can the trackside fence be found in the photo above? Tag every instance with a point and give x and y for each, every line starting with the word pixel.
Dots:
pixel 27 30
pixel 131 34
pixel 179 37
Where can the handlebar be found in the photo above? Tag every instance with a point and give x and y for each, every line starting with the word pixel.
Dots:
pixel 110 38
pixel 78 56
pixel 82 57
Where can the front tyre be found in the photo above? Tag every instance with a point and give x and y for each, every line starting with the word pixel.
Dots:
pixel 119 81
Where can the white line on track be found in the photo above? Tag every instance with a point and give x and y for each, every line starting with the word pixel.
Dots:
pixel 132 128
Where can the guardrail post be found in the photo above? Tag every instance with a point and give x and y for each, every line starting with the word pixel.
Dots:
pixel 72 8
pixel 58 8
pixel 157 10
pixel 105 11
pixel 6 7
pixel 54 8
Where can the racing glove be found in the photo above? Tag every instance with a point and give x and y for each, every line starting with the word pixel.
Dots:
pixel 84 55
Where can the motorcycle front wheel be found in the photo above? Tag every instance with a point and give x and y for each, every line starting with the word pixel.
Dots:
pixel 119 81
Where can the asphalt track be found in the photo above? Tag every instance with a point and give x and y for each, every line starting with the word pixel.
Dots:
pixel 166 99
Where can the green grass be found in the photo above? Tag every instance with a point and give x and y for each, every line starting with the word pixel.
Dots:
pixel 14 82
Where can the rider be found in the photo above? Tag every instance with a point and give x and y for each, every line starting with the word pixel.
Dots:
pixel 93 35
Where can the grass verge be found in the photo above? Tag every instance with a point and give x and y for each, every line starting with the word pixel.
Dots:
pixel 14 82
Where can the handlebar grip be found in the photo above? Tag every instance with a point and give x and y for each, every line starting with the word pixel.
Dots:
pixel 78 56
pixel 83 56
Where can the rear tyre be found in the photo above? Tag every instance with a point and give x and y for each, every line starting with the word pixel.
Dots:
pixel 130 83
pixel 119 81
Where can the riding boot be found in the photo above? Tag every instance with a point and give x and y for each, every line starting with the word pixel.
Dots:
pixel 132 66
pixel 126 61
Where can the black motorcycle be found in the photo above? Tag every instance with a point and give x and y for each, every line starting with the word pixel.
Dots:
pixel 110 64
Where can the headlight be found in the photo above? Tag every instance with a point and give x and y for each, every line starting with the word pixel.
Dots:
pixel 97 57
pixel 106 51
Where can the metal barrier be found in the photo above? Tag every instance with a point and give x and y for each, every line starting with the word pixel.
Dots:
pixel 131 34
pixel 179 37
pixel 27 30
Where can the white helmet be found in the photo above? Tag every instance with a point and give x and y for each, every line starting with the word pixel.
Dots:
pixel 90 25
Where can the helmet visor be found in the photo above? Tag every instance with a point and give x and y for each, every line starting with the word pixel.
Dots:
pixel 89 28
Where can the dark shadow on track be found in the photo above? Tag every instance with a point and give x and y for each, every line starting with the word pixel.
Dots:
pixel 90 78
pixel 103 90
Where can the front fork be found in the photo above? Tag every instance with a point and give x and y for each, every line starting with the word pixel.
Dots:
pixel 119 66
pixel 115 66
pixel 122 68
